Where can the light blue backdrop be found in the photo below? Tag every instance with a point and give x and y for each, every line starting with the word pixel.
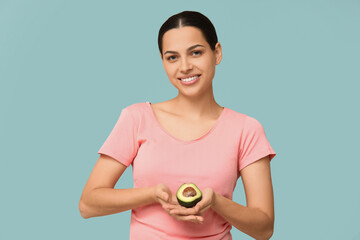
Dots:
pixel 67 68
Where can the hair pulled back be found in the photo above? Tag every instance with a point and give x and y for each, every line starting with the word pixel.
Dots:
pixel 193 19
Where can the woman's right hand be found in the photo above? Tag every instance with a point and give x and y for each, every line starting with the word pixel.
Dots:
pixel 168 201
pixel 163 195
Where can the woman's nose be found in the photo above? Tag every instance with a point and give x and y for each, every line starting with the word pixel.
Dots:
pixel 185 65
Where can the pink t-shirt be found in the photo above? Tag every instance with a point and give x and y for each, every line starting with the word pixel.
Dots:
pixel 213 160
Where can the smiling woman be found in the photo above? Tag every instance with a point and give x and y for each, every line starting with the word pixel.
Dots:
pixel 188 59
pixel 187 139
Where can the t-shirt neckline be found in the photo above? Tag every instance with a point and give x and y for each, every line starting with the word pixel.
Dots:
pixel 180 140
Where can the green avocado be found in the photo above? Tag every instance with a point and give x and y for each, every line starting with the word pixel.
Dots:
pixel 188 195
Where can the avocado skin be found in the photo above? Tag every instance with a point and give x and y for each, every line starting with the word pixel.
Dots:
pixel 192 203
pixel 189 204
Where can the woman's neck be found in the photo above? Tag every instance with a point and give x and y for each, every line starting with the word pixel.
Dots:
pixel 195 109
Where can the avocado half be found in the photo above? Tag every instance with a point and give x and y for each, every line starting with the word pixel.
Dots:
pixel 188 195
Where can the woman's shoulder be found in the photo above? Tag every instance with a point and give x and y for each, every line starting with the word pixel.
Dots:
pixel 139 106
pixel 244 119
pixel 235 115
pixel 136 110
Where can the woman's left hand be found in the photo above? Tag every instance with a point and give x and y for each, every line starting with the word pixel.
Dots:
pixel 193 214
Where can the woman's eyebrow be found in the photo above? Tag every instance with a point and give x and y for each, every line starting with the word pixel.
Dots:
pixel 189 49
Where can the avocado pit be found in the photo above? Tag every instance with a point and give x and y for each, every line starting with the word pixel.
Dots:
pixel 189 192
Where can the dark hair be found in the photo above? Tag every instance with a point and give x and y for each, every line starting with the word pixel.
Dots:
pixel 190 18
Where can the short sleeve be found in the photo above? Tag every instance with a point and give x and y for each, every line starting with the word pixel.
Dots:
pixel 121 144
pixel 253 143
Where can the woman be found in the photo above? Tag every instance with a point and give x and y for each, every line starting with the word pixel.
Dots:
pixel 189 138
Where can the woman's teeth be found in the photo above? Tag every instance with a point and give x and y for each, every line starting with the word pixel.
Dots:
pixel 189 79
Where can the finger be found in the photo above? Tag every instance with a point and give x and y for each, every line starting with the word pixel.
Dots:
pixel 201 207
pixel 173 200
pixel 163 203
pixel 159 195
pixel 173 206
pixel 197 208
pixel 200 219
pixel 184 211
pixel 202 211
pixel 190 218
pixel 168 207
pixel 165 197
pixel 162 198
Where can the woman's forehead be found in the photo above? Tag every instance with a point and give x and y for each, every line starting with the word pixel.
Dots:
pixel 177 39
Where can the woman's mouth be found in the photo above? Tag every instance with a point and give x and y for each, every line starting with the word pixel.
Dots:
pixel 189 79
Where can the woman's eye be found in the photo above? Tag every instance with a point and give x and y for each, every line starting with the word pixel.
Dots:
pixel 171 58
pixel 196 53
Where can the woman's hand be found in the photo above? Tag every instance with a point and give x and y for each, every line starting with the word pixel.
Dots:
pixel 168 201
pixel 192 214
pixel 163 195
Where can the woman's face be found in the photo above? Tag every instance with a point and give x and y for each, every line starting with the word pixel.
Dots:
pixel 189 61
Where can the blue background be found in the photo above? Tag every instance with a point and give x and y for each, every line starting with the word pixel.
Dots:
pixel 67 68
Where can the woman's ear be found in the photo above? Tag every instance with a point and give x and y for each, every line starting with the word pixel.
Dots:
pixel 161 55
pixel 218 53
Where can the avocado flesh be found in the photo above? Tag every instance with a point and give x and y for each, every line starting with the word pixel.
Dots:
pixel 188 195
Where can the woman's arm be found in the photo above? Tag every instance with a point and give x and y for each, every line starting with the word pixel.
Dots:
pixel 99 197
pixel 257 218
